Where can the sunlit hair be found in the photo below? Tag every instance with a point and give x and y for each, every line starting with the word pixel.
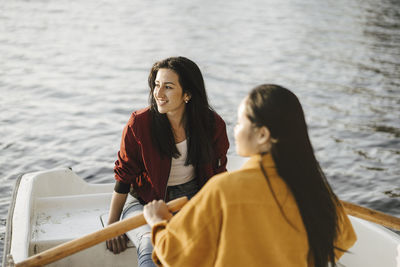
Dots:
pixel 198 118
pixel 280 111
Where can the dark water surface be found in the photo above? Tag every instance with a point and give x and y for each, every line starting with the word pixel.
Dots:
pixel 71 72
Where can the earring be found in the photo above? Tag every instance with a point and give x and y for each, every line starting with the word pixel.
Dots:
pixel 186 101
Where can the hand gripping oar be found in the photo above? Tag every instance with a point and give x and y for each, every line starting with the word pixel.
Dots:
pixel 76 245
pixel 372 215
pixel 124 226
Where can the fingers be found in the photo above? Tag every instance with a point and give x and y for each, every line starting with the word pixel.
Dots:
pixel 156 211
pixel 122 242
pixel 117 244
pixel 155 205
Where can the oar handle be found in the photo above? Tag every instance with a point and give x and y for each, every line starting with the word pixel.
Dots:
pixel 372 215
pixel 76 245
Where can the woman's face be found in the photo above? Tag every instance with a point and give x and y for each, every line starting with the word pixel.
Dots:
pixel 245 134
pixel 168 93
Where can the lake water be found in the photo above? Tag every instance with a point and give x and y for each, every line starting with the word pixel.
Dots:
pixel 71 72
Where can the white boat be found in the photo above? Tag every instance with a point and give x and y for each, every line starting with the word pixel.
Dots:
pixel 52 207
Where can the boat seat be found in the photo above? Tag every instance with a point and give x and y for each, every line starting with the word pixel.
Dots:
pixel 60 219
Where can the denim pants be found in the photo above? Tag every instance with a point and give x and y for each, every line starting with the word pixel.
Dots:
pixel 141 236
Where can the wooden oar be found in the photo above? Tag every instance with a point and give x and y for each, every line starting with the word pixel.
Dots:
pixel 124 226
pixel 76 245
pixel 372 215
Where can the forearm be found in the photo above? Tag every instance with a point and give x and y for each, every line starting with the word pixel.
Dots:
pixel 116 206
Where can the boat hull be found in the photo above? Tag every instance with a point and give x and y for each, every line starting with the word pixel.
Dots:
pixel 60 207
pixel 52 207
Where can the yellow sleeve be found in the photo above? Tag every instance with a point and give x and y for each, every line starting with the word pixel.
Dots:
pixel 346 236
pixel 191 237
pixel 155 232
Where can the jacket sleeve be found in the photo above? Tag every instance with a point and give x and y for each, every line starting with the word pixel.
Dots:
pixel 191 237
pixel 221 144
pixel 346 236
pixel 128 165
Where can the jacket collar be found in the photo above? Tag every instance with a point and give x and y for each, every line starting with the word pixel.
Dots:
pixel 254 161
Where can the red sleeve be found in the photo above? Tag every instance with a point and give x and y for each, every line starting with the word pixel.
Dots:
pixel 129 163
pixel 221 144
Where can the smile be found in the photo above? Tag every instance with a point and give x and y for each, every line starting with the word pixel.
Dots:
pixel 161 101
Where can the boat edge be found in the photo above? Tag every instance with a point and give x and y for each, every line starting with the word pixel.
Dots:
pixel 8 234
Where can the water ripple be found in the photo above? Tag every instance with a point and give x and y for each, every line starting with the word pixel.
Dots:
pixel 73 71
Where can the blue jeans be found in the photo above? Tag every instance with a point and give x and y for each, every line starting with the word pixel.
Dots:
pixel 188 189
pixel 141 236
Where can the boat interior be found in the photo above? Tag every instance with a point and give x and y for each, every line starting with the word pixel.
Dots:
pixel 62 207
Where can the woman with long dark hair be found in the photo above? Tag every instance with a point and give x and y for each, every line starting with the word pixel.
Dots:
pixel 277 210
pixel 168 150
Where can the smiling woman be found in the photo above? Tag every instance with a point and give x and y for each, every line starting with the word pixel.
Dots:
pixel 169 95
pixel 171 100
pixel 168 150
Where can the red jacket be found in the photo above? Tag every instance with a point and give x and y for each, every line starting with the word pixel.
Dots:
pixel 140 164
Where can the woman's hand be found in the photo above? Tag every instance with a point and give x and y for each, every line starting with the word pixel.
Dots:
pixel 117 244
pixel 156 211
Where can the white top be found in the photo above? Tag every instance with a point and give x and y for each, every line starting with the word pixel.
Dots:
pixel 180 173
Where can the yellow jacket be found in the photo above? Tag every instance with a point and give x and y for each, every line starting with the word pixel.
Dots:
pixel 235 221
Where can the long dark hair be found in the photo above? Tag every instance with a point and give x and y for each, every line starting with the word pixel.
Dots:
pixel 280 111
pixel 198 117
